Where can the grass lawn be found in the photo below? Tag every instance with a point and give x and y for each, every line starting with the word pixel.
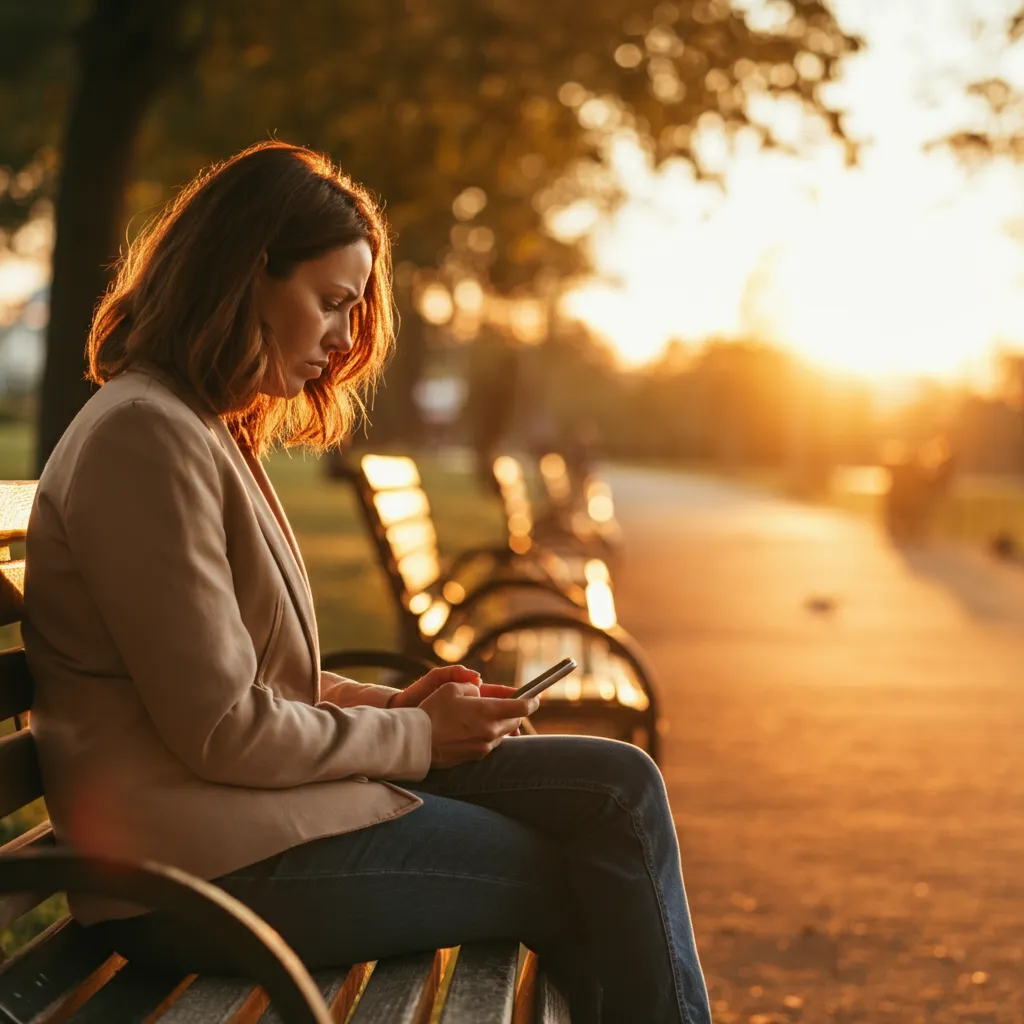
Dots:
pixel 15 451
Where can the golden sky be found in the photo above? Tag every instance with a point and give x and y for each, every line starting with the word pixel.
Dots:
pixel 905 264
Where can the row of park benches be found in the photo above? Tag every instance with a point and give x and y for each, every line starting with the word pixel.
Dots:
pixel 509 610
pixel 512 609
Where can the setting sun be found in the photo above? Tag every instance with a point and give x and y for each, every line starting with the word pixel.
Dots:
pixel 904 264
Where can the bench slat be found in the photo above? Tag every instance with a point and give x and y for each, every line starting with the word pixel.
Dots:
pixel 330 983
pixel 389 472
pixel 483 984
pixel 400 991
pixel 12 589
pixel 131 995
pixel 550 1006
pixel 20 781
pixel 16 687
pixel 49 969
pixel 211 1000
pixel 214 1000
pixel 399 506
pixel 15 505
pixel 412 535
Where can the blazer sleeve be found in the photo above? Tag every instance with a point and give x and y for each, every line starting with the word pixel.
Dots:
pixel 145 525
pixel 347 693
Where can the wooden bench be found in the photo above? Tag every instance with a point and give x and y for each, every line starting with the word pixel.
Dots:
pixel 540 535
pixel 580 508
pixel 64 975
pixel 613 692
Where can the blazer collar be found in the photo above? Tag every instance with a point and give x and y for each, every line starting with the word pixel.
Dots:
pixel 269 514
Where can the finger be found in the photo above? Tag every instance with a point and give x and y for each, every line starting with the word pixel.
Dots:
pixel 463 689
pixel 496 690
pixel 505 728
pixel 453 674
pixel 509 707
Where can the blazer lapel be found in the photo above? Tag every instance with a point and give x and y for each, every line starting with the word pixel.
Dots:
pixel 279 538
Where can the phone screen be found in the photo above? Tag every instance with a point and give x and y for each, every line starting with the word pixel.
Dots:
pixel 546 678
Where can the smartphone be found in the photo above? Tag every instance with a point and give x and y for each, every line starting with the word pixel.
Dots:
pixel 545 679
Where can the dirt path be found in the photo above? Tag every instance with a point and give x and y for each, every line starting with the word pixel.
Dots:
pixel 845 757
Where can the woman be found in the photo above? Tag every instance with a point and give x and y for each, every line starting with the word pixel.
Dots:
pixel 180 711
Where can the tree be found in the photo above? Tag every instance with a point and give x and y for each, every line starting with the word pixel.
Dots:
pixel 467 116
pixel 998 124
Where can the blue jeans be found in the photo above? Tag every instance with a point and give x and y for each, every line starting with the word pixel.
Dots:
pixel 565 843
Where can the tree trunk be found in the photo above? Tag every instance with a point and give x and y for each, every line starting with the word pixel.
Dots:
pixel 127 52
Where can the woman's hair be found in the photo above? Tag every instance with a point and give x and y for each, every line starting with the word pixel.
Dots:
pixel 184 297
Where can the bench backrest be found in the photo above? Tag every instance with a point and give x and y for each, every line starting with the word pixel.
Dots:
pixel 397 514
pixel 558 484
pixel 20 780
pixel 515 497
pixel 581 502
pixel 584 493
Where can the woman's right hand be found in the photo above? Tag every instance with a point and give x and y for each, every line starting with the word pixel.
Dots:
pixel 466 726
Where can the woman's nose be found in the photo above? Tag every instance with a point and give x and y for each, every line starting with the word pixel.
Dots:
pixel 339 339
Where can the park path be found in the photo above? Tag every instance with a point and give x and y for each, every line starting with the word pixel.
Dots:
pixel 845 754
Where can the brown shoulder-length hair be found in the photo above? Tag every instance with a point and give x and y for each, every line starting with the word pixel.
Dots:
pixel 184 296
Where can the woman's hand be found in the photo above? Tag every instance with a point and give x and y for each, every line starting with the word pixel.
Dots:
pixel 466 726
pixel 497 690
pixel 415 693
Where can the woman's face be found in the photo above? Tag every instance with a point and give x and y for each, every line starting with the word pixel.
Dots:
pixel 308 316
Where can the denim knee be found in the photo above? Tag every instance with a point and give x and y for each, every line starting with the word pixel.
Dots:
pixel 637 778
pixel 619 769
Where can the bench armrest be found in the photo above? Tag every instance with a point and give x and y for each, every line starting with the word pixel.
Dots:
pixel 260 952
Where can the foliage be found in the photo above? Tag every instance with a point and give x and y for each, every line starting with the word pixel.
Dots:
pixel 422 100
pixel 998 128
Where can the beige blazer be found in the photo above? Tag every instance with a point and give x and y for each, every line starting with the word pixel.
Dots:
pixel 180 712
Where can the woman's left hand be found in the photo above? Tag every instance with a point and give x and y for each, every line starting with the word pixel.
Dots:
pixel 416 692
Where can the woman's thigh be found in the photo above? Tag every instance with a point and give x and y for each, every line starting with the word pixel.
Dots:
pixel 555 784
pixel 445 873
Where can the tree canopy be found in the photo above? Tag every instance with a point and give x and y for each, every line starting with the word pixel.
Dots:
pixel 419 99
pixel 470 118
